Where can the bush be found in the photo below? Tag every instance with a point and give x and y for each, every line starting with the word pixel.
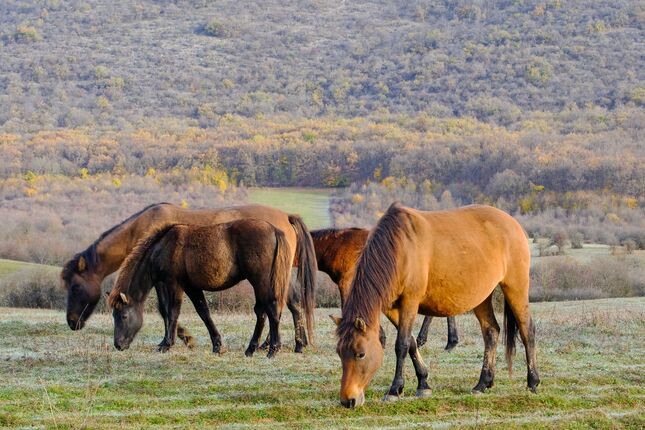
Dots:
pixel 32 288
pixel 567 279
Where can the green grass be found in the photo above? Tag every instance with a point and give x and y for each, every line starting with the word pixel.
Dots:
pixel 310 203
pixel 591 356
pixel 8 267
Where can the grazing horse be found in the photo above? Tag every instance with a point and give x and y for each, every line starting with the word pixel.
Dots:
pixel 190 259
pixel 441 264
pixel 83 274
pixel 337 251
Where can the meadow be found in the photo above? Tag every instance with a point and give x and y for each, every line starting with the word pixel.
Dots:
pixel 312 204
pixel 590 355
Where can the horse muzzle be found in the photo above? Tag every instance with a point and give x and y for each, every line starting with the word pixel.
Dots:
pixel 75 323
pixel 121 345
pixel 353 402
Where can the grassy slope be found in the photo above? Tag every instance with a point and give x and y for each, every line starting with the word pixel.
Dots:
pixel 590 354
pixel 8 267
pixel 312 204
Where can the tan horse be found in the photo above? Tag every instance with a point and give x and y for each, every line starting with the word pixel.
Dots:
pixel 83 274
pixel 337 251
pixel 440 264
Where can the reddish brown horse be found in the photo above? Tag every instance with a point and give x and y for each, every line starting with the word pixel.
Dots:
pixel 190 259
pixel 436 263
pixel 83 274
pixel 337 251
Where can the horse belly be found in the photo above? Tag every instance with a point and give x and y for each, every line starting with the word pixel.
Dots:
pixel 444 299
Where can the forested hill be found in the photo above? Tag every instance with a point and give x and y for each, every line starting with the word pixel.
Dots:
pixel 122 63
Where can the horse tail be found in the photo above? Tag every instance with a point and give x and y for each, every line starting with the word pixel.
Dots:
pixel 281 269
pixel 307 268
pixel 510 333
pixel 133 272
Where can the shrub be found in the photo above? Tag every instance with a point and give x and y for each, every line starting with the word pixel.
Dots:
pixel 32 288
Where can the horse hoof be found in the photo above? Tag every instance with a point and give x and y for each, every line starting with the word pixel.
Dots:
pixel 249 352
pixel 220 349
pixel 163 348
pixel 477 391
pixel 532 389
pixel 391 398
pixel 424 393
pixel 298 349
pixel 420 342
pixel 272 353
pixel 264 345
pixel 450 346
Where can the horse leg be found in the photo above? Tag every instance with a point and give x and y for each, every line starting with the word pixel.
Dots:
pixel 423 390
pixel 422 337
pixel 173 296
pixel 403 319
pixel 199 302
pixel 453 337
pixel 259 326
pixel 162 301
pixel 293 303
pixel 274 328
pixel 490 332
pixel 519 306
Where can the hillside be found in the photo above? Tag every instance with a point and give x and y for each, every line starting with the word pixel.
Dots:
pixel 121 64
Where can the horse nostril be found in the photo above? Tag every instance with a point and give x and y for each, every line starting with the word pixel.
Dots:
pixel 352 403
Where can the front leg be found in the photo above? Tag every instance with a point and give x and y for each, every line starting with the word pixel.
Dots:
pixel 422 337
pixel 173 307
pixel 402 318
pixel 201 306
pixel 423 390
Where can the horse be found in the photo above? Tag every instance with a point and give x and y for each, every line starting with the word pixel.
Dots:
pixel 188 258
pixel 439 263
pixel 82 275
pixel 337 251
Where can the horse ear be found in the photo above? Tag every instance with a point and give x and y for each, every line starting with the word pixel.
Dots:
pixel 124 298
pixel 82 264
pixel 359 323
pixel 336 319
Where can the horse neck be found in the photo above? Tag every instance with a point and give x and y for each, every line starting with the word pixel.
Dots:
pixel 112 249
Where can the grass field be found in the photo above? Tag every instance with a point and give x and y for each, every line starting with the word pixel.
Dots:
pixel 591 356
pixel 311 203
pixel 8 267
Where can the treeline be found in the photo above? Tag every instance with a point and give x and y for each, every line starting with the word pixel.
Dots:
pixel 568 217
pixel 473 159
pixel 99 63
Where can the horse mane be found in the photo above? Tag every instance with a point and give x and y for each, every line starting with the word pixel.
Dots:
pixel 132 266
pixel 90 255
pixel 376 272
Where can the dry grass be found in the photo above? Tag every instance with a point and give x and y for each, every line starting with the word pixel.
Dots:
pixel 590 354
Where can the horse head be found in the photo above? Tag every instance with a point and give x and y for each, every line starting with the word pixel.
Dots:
pixel 361 354
pixel 128 319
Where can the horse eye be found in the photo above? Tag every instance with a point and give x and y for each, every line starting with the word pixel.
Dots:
pixel 125 317
pixel 360 355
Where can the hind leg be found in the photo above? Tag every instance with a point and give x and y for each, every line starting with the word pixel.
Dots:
pixel 519 305
pixel 273 312
pixel 490 332
pixel 260 316
pixel 293 303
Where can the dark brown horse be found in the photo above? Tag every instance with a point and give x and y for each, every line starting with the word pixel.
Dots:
pixel 337 251
pixel 83 274
pixel 441 264
pixel 190 259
